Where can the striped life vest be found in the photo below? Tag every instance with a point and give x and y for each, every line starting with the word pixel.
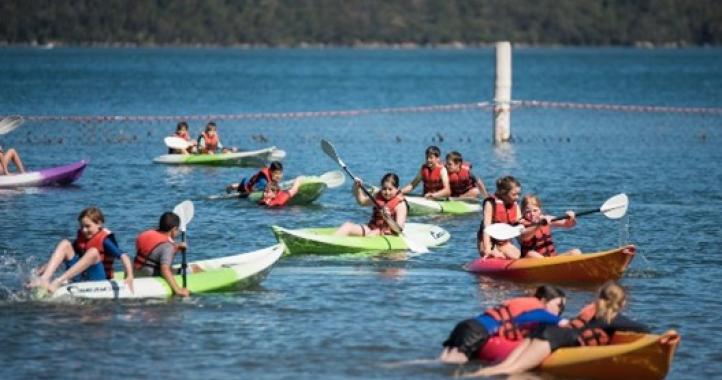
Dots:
pixel 510 309
pixel 540 242
pixel 432 178
pixel 82 245
pixel 145 243
pixel 589 336
pixel 377 220
pixel 461 181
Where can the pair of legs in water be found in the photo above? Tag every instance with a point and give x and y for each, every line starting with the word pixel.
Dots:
pixel 6 158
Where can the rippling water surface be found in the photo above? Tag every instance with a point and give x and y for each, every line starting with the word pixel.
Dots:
pixel 349 317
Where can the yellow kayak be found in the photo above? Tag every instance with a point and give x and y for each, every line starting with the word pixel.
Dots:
pixel 630 356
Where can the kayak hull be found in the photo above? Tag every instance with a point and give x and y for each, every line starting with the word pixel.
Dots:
pixel 309 190
pixel 422 206
pixel 225 273
pixel 321 241
pixel 586 268
pixel 629 356
pixel 254 158
pixel 56 176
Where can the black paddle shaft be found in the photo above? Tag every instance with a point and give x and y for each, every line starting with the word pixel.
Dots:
pixel 580 213
pixel 184 263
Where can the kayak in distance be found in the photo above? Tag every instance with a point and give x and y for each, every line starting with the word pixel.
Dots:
pixel 310 189
pixel 322 241
pixel 424 206
pixel 586 268
pixel 251 158
pixel 55 176
pixel 206 276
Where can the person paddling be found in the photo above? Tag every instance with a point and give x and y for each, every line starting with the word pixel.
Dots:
pixel 433 174
pixel 259 181
pixel 594 326
pixel 11 155
pixel 462 182
pixel 501 207
pixel 536 240
pixel 89 258
pixel 389 199
pixel 512 320
pixel 155 250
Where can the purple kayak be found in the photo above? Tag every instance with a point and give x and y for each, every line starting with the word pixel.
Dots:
pixel 59 175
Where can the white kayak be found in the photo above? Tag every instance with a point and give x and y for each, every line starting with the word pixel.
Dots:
pixel 224 273
pixel 254 158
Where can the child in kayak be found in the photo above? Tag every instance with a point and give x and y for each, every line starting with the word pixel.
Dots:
pixel 274 196
pixel 434 176
pixel 513 320
pixel 536 240
pixel 155 250
pixel 181 131
pixel 462 182
pixel 259 181
pixel 500 208
pixel 89 258
pixel 387 202
pixel 209 142
pixel 594 326
pixel 6 157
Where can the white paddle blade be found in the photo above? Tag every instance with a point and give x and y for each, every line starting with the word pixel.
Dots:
pixel 615 207
pixel 333 178
pixel 413 245
pixel 185 211
pixel 9 124
pixel 331 152
pixel 175 142
pixel 277 155
pixel 503 231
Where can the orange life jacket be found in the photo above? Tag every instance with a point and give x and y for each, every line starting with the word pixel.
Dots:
pixel 279 200
pixel 540 242
pixel 461 181
pixel 510 309
pixel 265 173
pixel 377 220
pixel 501 214
pixel 211 142
pixel 81 245
pixel 589 336
pixel 145 243
pixel 184 135
pixel 432 178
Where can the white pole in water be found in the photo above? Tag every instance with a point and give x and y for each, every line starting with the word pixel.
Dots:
pixel 502 93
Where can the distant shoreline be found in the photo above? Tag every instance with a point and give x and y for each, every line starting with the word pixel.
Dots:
pixel 359 45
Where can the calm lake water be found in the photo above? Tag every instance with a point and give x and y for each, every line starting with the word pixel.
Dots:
pixel 348 318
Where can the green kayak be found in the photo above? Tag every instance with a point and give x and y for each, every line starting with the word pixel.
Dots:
pixel 424 206
pixel 322 241
pixel 253 158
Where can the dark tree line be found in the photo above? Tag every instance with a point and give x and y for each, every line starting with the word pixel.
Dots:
pixel 349 22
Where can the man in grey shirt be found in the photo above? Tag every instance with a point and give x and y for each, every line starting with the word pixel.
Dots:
pixel 155 250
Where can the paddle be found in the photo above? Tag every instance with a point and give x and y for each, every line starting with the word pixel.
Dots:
pixel 614 208
pixel 175 142
pixel 9 124
pixel 411 244
pixel 184 210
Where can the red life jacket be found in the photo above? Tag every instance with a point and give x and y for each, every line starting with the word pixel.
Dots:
pixel 432 178
pixel 589 336
pixel 145 243
pixel 184 135
pixel 282 197
pixel 211 142
pixel 541 242
pixel 377 220
pixel 461 181
pixel 501 214
pixel 81 245
pixel 510 309
pixel 263 173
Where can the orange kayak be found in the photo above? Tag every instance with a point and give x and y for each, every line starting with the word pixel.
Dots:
pixel 589 267
pixel 629 356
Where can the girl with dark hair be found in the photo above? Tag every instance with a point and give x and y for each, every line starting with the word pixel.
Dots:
pixel 388 202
